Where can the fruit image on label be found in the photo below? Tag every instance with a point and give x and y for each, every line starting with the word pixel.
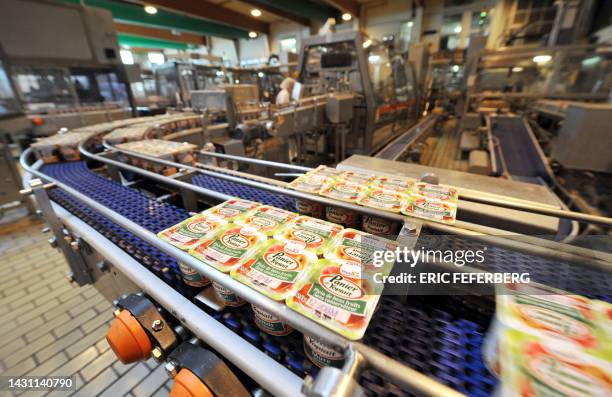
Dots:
pixel 268 219
pixel 423 208
pixel 344 191
pixel 387 200
pixel 435 192
pixel 314 233
pixel 189 232
pixel 277 269
pixel 356 177
pixel 232 209
pixel 310 183
pixel 225 250
pixel 402 185
pixel 335 299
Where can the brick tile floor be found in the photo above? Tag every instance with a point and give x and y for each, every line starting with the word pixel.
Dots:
pixel 51 327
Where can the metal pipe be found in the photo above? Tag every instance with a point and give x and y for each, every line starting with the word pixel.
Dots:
pixel 421 382
pixel 257 161
pixel 244 355
pixel 558 213
pixel 460 228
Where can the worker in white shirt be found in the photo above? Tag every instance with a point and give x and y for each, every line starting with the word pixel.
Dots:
pixel 284 96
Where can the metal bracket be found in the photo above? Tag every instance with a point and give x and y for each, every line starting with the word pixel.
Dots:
pixel 152 321
pixel 190 200
pixel 209 368
pixel 79 271
pixel 334 382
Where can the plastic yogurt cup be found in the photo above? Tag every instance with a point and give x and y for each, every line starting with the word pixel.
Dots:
pixel 227 296
pixel 278 269
pixel 269 323
pixel 232 208
pixel 322 354
pixel 191 231
pixel 229 246
pixel 315 233
pixel 267 218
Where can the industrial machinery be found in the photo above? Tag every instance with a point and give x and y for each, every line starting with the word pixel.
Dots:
pixel 382 84
pixel 423 345
pixel 63 85
pixel 176 80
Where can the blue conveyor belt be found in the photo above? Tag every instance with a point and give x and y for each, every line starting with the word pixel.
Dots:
pixel 442 340
pixel 518 148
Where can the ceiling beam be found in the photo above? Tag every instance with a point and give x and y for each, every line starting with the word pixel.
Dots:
pixel 266 7
pixel 135 14
pixel 162 34
pixel 303 8
pixel 213 12
pixel 350 6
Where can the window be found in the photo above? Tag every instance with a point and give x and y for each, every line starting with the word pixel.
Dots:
pixel 405 35
pixel 450 34
pixel 289 45
pixel 532 20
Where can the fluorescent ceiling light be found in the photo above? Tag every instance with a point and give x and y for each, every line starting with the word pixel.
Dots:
pixel 150 10
pixel 346 16
pixel 126 57
pixel 260 74
pixel 367 43
pixel 253 35
pixel 455 68
pixel 255 12
pixel 594 60
pixel 156 58
pixel 517 69
pixel 457 29
pixel 542 58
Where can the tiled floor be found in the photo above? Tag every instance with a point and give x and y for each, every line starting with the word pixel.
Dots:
pixel 51 327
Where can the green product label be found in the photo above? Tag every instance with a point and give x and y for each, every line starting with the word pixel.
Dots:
pixel 227 243
pixel 553 306
pixel 339 292
pixel 278 265
pixel 195 228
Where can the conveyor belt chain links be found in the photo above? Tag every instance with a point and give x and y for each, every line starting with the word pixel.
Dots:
pixel 79 271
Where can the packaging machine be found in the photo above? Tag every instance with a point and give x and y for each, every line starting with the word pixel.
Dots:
pixel 415 345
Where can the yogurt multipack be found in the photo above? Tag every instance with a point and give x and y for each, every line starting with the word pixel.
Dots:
pixel 310 183
pixel 344 191
pixel 383 199
pixel 426 208
pixel 229 246
pixel 336 297
pixel 232 209
pixel 267 218
pixel 364 249
pixel 191 231
pixel 278 269
pixel 316 234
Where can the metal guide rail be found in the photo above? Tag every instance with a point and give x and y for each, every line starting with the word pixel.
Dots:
pixel 512 241
pixel 451 353
pixel 385 372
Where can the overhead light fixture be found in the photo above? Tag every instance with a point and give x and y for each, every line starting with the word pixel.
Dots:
pixel 458 29
pixel 255 12
pixel 150 10
pixel 126 57
pixel 260 74
pixel 455 68
pixel 156 58
pixel 542 58
pixel 253 35
pixel 592 61
pixel 346 16
pixel 367 43
pixel 517 69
